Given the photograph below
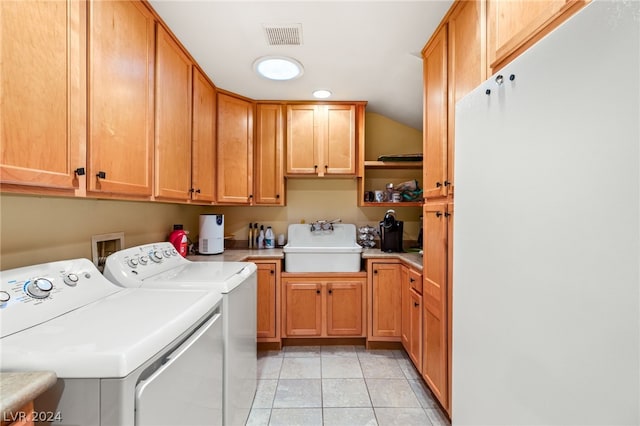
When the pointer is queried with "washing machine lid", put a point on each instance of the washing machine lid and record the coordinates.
(215, 276)
(111, 337)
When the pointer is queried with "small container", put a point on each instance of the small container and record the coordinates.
(179, 240)
(269, 238)
(379, 196)
(396, 197)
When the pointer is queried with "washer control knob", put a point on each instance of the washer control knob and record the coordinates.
(4, 297)
(132, 262)
(39, 288)
(156, 256)
(174, 252)
(144, 260)
(71, 280)
(167, 253)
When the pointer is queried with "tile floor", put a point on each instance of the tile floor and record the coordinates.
(341, 385)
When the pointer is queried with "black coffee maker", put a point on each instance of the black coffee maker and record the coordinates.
(391, 233)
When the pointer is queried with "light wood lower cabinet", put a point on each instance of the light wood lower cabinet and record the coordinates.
(323, 306)
(268, 315)
(412, 315)
(385, 319)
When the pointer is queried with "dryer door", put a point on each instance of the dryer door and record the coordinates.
(186, 389)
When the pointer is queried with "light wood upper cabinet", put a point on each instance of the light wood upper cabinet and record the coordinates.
(514, 25)
(321, 139)
(173, 119)
(234, 170)
(434, 294)
(203, 163)
(42, 110)
(269, 155)
(435, 116)
(121, 116)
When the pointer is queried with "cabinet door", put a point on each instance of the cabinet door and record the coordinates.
(466, 65)
(304, 133)
(42, 94)
(435, 116)
(386, 300)
(302, 309)
(405, 335)
(344, 308)
(121, 117)
(339, 148)
(514, 25)
(203, 139)
(434, 365)
(415, 336)
(234, 150)
(266, 300)
(269, 180)
(173, 119)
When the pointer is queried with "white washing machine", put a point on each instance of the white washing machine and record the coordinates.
(159, 266)
(122, 356)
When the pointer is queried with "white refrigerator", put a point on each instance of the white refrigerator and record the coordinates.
(546, 325)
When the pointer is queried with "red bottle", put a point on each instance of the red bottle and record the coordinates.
(179, 240)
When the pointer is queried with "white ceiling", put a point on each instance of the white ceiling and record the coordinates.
(360, 50)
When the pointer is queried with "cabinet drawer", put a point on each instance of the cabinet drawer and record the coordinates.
(415, 281)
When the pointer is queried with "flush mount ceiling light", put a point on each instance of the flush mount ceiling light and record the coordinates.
(321, 94)
(278, 67)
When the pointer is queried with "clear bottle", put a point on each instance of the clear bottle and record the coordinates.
(269, 238)
(261, 237)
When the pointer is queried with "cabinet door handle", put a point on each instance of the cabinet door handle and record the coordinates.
(79, 171)
(438, 214)
(411, 280)
(375, 271)
(315, 166)
(447, 183)
(101, 175)
(447, 214)
(326, 167)
(277, 196)
(438, 184)
(191, 190)
(250, 196)
(272, 272)
(416, 304)
(330, 291)
(198, 191)
(317, 291)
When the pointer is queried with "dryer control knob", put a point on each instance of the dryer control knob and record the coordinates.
(4, 297)
(144, 260)
(167, 253)
(132, 262)
(156, 256)
(71, 280)
(39, 288)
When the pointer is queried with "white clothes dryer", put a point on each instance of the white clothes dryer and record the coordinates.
(122, 356)
(159, 266)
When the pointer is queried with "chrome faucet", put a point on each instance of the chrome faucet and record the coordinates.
(324, 225)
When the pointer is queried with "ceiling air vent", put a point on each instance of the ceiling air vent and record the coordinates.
(283, 34)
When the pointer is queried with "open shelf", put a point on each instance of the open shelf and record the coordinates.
(389, 204)
(393, 164)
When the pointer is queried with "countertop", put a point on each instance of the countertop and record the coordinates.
(18, 388)
(241, 255)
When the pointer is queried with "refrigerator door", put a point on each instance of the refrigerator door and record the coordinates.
(546, 246)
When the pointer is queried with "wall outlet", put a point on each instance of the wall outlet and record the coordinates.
(103, 245)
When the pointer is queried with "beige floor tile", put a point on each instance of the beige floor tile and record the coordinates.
(296, 417)
(392, 393)
(300, 368)
(437, 417)
(301, 351)
(298, 393)
(381, 368)
(424, 395)
(402, 417)
(345, 393)
(407, 367)
(269, 367)
(259, 417)
(265, 392)
(339, 351)
(341, 368)
(349, 417)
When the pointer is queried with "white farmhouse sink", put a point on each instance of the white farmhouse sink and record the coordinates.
(322, 251)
